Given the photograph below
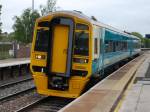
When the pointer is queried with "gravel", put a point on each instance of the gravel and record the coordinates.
(16, 88)
(19, 101)
(51, 104)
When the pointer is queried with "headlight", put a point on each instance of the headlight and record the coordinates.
(79, 60)
(38, 56)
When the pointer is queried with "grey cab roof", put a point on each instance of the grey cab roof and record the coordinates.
(98, 23)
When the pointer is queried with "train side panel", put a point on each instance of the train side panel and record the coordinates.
(113, 48)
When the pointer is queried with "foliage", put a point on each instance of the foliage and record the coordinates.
(0, 19)
(24, 24)
(23, 27)
(49, 7)
(137, 34)
(11, 36)
(7, 37)
(145, 41)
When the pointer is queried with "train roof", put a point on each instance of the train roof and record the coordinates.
(94, 22)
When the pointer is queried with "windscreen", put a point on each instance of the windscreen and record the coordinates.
(41, 43)
(81, 43)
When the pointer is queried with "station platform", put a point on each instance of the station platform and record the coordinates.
(137, 97)
(10, 68)
(109, 95)
(14, 62)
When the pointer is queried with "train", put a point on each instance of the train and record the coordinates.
(69, 48)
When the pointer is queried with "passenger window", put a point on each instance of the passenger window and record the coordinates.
(124, 46)
(106, 46)
(109, 46)
(95, 46)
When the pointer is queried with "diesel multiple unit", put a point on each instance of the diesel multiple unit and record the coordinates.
(69, 48)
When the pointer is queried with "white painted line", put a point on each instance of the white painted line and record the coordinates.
(14, 63)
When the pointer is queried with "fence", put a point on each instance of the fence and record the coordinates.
(6, 49)
(13, 50)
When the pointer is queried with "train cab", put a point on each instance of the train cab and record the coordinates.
(61, 54)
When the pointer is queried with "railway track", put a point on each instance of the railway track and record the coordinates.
(14, 88)
(15, 82)
(46, 104)
(27, 98)
(10, 96)
(33, 102)
(19, 100)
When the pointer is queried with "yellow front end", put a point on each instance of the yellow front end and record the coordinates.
(76, 82)
(76, 86)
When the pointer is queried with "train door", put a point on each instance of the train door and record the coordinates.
(60, 47)
(59, 58)
(96, 50)
(59, 51)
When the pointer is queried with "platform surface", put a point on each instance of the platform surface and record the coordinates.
(105, 95)
(137, 98)
(14, 62)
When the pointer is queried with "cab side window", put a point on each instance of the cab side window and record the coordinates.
(96, 42)
(95, 46)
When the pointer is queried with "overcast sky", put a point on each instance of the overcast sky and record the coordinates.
(129, 15)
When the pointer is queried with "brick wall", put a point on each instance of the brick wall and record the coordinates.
(23, 51)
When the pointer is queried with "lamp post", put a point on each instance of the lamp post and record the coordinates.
(32, 5)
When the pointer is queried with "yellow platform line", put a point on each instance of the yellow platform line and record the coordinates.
(125, 93)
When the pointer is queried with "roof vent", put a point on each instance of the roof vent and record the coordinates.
(94, 18)
(78, 11)
(127, 32)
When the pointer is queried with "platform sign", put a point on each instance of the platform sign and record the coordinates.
(147, 36)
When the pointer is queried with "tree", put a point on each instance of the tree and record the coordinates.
(137, 34)
(145, 42)
(24, 25)
(0, 20)
(49, 7)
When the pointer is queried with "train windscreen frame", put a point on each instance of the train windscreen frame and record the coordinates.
(81, 46)
(41, 43)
